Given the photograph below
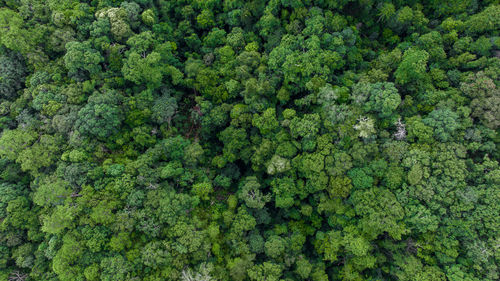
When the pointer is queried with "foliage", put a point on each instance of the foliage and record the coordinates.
(249, 140)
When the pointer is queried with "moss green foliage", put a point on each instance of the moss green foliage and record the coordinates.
(249, 140)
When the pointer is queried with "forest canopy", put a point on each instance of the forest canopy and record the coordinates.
(281, 140)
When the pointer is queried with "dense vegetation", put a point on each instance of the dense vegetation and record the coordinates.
(249, 140)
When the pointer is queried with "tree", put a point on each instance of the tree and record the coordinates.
(14, 36)
(378, 97)
(203, 274)
(485, 102)
(42, 154)
(65, 261)
(277, 165)
(252, 195)
(205, 19)
(306, 127)
(238, 267)
(266, 271)
(267, 122)
(444, 121)
(413, 68)
(13, 142)
(164, 109)
(483, 22)
(360, 179)
(148, 17)
(242, 223)
(383, 215)
(51, 192)
(284, 190)
(8, 193)
(82, 57)
(274, 246)
(249, 140)
(328, 244)
(102, 115)
(12, 72)
(304, 268)
(340, 186)
(202, 190)
(143, 70)
(235, 143)
(432, 42)
(365, 126)
(142, 43)
(118, 18)
(60, 37)
(417, 128)
(61, 218)
(114, 268)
